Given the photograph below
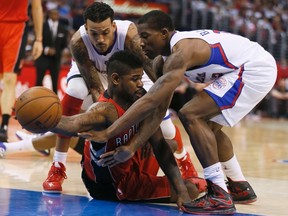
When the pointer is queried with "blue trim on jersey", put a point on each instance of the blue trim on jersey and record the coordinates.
(74, 76)
(167, 117)
(218, 57)
(229, 99)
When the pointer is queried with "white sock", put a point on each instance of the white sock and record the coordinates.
(180, 155)
(60, 157)
(232, 169)
(215, 174)
(19, 146)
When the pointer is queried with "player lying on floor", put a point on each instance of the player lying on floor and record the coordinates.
(136, 179)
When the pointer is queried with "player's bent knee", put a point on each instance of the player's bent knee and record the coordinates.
(186, 116)
(77, 88)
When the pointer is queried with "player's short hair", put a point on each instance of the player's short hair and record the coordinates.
(122, 62)
(157, 20)
(98, 12)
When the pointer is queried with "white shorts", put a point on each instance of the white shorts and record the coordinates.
(237, 93)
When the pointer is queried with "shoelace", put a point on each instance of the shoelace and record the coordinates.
(59, 172)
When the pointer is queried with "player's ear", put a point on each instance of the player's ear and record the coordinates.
(164, 33)
(114, 26)
(115, 78)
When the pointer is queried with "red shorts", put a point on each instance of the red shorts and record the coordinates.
(10, 42)
(135, 179)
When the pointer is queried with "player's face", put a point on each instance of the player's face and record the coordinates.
(101, 34)
(151, 41)
(131, 85)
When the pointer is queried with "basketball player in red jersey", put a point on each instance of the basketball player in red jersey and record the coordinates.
(13, 15)
(132, 180)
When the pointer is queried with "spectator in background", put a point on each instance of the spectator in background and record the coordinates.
(278, 99)
(13, 17)
(54, 42)
(77, 18)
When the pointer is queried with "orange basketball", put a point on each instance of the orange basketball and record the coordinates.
(38, 109)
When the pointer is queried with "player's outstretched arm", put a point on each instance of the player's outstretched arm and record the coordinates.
(86, 66)
(125, 152)
(158, 97)
(97, 118)
(168, 165)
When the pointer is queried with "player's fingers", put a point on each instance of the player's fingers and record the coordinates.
(115, 163)
(110, 163)
(107, 154)
(104, 161)
(85, 135)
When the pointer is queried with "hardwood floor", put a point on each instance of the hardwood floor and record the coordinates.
(261, 148)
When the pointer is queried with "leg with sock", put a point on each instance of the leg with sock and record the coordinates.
(57, 172)
(7, 102)
(182, 156)
(240, 189)
(4, 127)
(27, 145)
(217, 200)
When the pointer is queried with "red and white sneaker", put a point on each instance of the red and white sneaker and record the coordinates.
(216, 201)
(241, 191)
(55, 178)
(186, 167)
(200, 183)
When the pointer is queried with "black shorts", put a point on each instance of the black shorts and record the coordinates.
(98, 190)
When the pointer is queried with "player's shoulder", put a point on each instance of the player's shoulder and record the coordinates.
(77, 46)
(104, 107)
(123, 22)
(76, 39)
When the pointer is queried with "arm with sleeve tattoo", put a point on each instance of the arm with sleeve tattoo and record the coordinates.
(86, 66)
(132, 43)
(98, 117)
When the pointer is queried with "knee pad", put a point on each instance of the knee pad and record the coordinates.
(167, 127)
(77, 88)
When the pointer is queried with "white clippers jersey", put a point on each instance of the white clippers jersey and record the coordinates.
(76, 87)
(228, 53)
(100, 59)
(240, 71)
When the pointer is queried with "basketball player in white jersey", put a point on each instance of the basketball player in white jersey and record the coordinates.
(91, 47)
(238, 73)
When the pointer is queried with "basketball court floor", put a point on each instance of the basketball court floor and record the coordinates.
(261, 147)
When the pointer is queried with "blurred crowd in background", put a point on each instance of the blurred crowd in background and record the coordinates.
(264, 21)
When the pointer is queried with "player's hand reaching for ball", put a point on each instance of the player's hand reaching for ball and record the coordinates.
(96, 136)
(119, 155)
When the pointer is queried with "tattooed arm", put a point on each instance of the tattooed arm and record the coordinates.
(132, 43)
(98, 117)
(86, 66)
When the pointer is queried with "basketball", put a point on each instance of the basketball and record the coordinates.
(38, 109)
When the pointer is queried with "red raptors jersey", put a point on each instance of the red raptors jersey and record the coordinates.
(135, 179)
(93, 150)
(13, 10)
